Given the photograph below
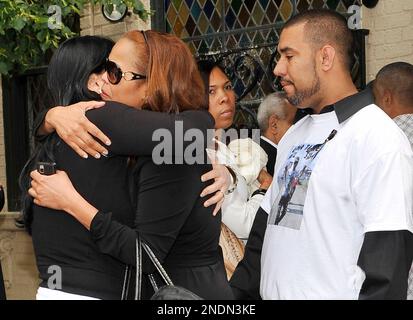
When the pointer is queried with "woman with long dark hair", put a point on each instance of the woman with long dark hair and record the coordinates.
(74, 74)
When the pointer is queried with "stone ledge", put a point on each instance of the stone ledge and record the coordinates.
(17, 258)
(7, 221)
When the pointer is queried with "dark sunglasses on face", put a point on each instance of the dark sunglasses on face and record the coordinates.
(115, 74)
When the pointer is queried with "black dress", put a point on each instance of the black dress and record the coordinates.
(60, 241)
(171, 218)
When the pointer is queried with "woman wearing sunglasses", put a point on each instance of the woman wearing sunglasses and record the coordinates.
(153, 71)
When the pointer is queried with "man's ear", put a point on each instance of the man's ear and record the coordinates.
(382, 96)
(273, 123)
(386, 102)
(327, 57)
(387, 97)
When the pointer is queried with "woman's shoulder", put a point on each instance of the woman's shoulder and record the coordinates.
(191, 118)
(108, 106)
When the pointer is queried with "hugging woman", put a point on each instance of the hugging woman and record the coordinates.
(88, 224)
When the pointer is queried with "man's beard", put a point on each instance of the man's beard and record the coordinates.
(300, 95)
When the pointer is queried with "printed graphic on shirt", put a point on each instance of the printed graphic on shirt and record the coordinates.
(293, 179)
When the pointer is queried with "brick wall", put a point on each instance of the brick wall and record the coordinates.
(17, 259)
(391, 34)
(92, 22)
(16, 249)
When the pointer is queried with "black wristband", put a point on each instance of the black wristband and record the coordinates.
(234, 178)
(259, 191)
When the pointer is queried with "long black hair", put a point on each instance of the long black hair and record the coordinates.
(67, 79)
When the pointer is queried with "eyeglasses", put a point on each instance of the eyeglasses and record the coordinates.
(115, 74)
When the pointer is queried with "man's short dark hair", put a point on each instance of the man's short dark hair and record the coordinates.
(323, 27)
(397, 77)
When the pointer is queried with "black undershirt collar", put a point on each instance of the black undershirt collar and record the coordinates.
(348, 106)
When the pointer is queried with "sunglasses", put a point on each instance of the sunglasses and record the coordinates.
(115, 74)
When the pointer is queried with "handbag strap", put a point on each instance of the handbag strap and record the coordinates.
(126, 281)
(139, 245)
(138, 285)
(138, 288)
(128, 274)
(157, 264)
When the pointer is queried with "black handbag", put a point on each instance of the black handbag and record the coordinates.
(167, 292)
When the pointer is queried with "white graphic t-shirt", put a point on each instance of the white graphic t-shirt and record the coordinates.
(293, 181)
(331, 188)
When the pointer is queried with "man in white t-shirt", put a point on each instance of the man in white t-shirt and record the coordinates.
(337, 220)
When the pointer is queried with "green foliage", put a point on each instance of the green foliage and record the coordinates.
(28, 33)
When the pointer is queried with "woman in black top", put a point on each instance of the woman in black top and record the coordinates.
(170, 214)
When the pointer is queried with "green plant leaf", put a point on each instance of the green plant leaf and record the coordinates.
(41, 35)
(25, 35)
(18, 23)
(5, 67)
